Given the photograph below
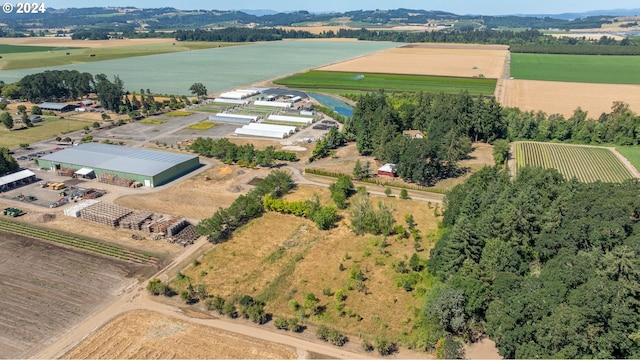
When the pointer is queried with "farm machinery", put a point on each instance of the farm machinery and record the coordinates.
(13, 212)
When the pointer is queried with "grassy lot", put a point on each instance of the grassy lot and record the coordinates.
(577, 68)
(178, 113)
(205, 125)
(18, 49)
(45, 56)
(632, 153)
(152, 121)
(278, 258)
(214, 108)
(586, 163)
(49, 128)
(315, 80)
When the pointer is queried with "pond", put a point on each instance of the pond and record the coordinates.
(337, 105)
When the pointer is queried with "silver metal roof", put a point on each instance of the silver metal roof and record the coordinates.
(16, 176)
(119, 158)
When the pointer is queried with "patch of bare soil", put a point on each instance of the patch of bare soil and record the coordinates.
(150, 335)
(483, 349)
(46, 289)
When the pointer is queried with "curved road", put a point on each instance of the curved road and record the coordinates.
(135, 297)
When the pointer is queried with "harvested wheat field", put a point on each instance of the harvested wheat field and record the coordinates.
(431, 59)
(564, 97)
(151, 335)
(67, 42)
(198, 197)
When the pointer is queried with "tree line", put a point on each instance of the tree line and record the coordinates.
(244, 155)
(546, 267)
(450, 122)
(241, 34)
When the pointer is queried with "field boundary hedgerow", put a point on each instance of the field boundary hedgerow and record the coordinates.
(586, 163)
(81, 243)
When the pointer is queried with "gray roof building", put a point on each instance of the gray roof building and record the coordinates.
(57, 106)
(149, 167)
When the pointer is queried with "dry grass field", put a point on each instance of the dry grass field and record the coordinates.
(197, 198)
(46, 289)
(279, 264)
(431, 59)
(151, 335)
(564, 97)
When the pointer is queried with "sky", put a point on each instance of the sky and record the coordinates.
(460, 7)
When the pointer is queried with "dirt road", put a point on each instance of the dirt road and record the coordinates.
(135, 297)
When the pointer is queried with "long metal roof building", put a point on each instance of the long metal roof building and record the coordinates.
(149, 167)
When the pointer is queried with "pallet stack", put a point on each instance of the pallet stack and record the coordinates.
(135, 220)
(176, 227)
(161, 225)
(105, 214)
(112, 179)
(65, 172)
(188, 235)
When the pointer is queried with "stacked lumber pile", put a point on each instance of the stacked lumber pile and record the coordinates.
(188, 235)
(66, 172)
(136, 220)
(105, 214)
(112, 179)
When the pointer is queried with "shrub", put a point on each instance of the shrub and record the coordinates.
(281, 323)
(215, 304)
(157, 287)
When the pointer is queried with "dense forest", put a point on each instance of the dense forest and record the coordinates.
(547, 268)
(452, 121)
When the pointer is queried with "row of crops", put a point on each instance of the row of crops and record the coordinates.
(81, 243)
(587, 164)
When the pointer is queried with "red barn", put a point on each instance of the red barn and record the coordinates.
(387, 170)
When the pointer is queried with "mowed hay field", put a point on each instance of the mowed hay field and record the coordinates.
(554, 97)
(585, 163)
(279, 264)
(461, 60)
(150, 335)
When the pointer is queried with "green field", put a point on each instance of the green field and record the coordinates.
(19, 49)
(219, 69)
(316, 80)
(49, 128)
(586, 163)
(39, 56)
(632, 153)
(576, 68)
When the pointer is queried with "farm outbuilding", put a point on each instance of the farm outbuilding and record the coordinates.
(261, 133)
(388, 170)
(290, 130)
(148, 167)
(291, 119)
(18, 178)
(280, 104)
(62, 107)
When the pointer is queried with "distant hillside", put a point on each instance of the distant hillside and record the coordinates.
(127, 19)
